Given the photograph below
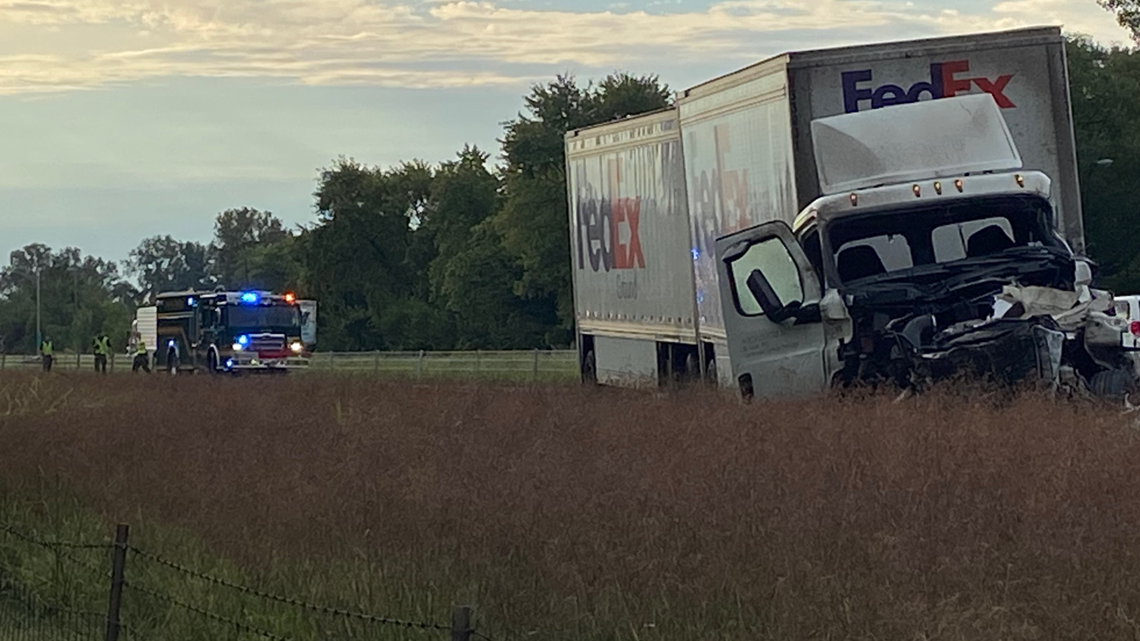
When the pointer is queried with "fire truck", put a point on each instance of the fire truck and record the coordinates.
(229, 331)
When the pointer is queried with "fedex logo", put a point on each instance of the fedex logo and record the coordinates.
(721, 202)
(600, 223)
(947, 79)
(600, 226)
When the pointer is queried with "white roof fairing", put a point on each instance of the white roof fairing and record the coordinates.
(920, 141)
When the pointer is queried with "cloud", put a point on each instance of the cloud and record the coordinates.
(438, 43)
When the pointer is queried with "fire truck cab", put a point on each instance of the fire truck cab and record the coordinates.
(229, 331)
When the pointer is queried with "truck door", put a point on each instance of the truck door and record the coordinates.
(770, 300)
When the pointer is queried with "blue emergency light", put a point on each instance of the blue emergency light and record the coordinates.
(243, 340)
(250, 297)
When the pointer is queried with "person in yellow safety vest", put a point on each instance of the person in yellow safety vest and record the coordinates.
(142, 358)
(102, 346)
(47, 351)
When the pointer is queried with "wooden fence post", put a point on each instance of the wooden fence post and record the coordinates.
(461, 623)
(111, 362)
(118, 569)
(79, 361)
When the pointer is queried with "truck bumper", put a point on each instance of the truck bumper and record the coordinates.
(252, 362)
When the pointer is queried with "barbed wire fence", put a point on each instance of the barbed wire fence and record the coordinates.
(53, 590)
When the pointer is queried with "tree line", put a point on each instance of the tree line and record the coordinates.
(470, 254)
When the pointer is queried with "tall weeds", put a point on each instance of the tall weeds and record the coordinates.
(567, 513)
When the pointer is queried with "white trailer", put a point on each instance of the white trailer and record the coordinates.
(631, 260)
(144, 327)
(748, 143)
(308, 323)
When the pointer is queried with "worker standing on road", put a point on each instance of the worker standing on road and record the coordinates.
(102, 346)
(47, 351)
(142, 358)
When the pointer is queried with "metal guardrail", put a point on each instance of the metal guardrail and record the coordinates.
(521, 365)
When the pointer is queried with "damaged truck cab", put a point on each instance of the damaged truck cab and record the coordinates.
(930, 255)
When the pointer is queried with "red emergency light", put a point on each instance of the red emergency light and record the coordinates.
(1136, 328)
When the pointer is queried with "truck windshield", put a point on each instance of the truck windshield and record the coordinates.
(870, 245)
(270, 317)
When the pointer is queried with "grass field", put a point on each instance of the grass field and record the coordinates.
(570, 513)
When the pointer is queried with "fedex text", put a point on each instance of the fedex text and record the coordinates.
(947, 79)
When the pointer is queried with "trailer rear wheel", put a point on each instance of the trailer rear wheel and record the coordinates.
(692, 367)
(590, 368)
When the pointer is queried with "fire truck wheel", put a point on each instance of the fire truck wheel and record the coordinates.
(212, 363)
(172, 364)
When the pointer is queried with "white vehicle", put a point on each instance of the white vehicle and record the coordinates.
(749, 158)
(629, 230)
(145, 327)
(1128, 309)
(308, 323)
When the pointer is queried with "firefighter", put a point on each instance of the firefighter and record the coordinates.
(142, 358)
(47, 351)
(102, 345)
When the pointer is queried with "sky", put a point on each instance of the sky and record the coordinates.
(125, 119)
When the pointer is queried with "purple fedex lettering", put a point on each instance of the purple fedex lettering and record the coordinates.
(944, 83)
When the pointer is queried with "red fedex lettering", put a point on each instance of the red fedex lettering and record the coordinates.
(953, 86)
(996, 89)
(633, 217)
(621, 257)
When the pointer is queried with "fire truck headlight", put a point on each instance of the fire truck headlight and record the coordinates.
(238, 347)
(297, 347)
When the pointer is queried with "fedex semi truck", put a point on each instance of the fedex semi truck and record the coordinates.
(647, 294)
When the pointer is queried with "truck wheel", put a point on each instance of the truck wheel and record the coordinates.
(212, 363)
(172, 364)
(590, 369)
(1112, 384)
(692, 368)
(711, 376)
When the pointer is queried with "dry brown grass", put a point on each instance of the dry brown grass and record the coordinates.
(567, 513)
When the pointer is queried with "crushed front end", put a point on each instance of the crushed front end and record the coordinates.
(978, 288)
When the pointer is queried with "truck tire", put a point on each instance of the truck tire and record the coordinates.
(711, 377)
(590, 369)
(692, 368)
(1112, 384)
(212, 363)
(172, 363)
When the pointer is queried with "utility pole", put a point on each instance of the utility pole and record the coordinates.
(39, 333)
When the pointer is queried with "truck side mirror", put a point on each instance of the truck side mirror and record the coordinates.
(766, 295)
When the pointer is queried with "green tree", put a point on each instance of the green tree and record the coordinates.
(80, 296)
(533, 219)
(361, 259)
(238, 234)
(161, 264)
(1127, 14)
(1105, 89)
(473, 275)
